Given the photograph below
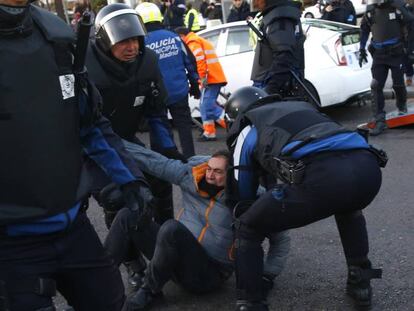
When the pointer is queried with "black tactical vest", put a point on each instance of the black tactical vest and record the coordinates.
(263, 57)
(385, 23)
(280, 123)
(40, 158)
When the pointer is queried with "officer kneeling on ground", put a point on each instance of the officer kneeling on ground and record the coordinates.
(196, 249)
(47, 123)
(325, 169)
(341, 11)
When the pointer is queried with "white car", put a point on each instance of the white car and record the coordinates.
(331, 60)
(314, 11)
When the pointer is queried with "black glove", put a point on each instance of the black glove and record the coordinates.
(195, 90)
(172, 153)
(139, 199)
(363, 57)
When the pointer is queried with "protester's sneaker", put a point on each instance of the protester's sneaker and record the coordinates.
(409, 81)
(358, 285)
(244, 305)
(142, 299)
(380, 126)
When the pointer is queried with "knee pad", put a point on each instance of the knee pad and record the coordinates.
(374, 85)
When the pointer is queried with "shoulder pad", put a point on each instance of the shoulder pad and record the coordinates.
(52, 26)
(281, 12)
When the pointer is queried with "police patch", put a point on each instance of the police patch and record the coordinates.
(67, 85)
(139, 100)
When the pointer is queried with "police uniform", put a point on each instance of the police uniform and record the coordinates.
(386, 23)
(342, 12)
(47, 125)
(177, 71)
(325, 169)
(132, 93)
(281, 48)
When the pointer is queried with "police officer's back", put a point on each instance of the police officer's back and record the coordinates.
(48, 123)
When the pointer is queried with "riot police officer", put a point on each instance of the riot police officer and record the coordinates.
(341, 11)
(386, 21)
(280, 50)
(48, 122)
(313, 156)
(129, 80)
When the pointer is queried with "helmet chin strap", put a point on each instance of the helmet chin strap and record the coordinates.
(15, 21)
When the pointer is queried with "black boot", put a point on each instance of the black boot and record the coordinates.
(142, 299)
(136, 272)
(358, 285)
(244, 305)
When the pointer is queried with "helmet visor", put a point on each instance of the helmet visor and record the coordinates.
(124, 26)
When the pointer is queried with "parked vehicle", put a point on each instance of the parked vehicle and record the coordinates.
(331, 59)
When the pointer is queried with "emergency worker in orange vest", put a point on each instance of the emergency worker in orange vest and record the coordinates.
(212, 78)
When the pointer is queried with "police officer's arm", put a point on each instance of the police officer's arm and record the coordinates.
(365, 30)
(190, 63)
(280, 51)
(102, 145)
(200, 58)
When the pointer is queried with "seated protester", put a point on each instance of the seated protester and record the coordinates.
(240, 11)
(341, 11)
(196, 250)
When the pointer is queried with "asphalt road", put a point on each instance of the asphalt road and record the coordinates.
(315, 275)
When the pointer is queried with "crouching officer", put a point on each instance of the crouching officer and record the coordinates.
(313, 156)
(280, 49)
(341, 11)
(387, 21)
(48, 122)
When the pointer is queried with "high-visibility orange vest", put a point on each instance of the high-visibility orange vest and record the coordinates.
(208, 65)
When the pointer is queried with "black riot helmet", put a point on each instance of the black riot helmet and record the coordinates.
(117, 22)
(240, 101)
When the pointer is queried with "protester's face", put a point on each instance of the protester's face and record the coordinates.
(126, 50)
(217, 171)
(237, 3)
(259, 4)
(14, 2)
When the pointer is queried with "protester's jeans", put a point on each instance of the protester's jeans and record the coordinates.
(173, 250)
(74, 258)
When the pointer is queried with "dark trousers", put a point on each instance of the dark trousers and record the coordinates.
(380, 67)
(75, 259)
(340, 184)
(173, 251)
(181, 116)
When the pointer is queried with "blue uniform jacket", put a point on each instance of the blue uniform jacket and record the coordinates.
(175, 65)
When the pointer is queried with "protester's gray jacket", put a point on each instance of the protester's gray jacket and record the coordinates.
(207, 218)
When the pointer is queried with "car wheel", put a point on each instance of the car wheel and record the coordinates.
(309, 15)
